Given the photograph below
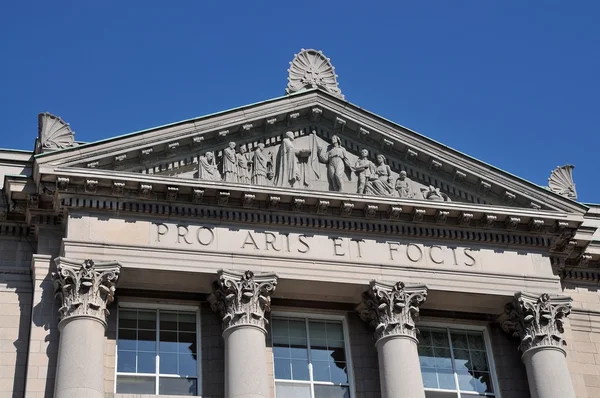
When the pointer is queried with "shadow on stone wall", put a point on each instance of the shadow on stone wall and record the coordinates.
(213, 354)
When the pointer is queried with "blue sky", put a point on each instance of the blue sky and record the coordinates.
(513, 83)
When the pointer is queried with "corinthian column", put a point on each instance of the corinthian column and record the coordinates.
(393, 310)
(242, 299)
(85, 289)
(538, 322)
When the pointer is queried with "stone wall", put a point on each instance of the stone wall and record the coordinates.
(583, 339)
(510, 370)
(364, 358)
(15, 314)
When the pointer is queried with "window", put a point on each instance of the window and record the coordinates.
(310, 358)
(454, 363)
(157, 352)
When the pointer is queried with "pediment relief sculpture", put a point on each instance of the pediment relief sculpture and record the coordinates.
(303, 160)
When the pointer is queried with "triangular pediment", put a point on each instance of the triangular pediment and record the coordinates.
(433, 171)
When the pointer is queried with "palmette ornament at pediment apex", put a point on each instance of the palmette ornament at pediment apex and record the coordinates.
(561, 181)
(311, 69)
(53, 133)
(538, 320)
(242, 298)
(392, 309)
(85, 288)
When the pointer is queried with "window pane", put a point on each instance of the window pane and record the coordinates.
(289, 390)
(168, 364)
(459, 340)
(439, 338)
(321, 371)
(127, 340)
(135, 385)
(187, 342)
(146, 362)
(168, 341)
(476, 342)
(279, 327)
(442, 358)
(331, 392)
(177, 386)
(479, 360)
(429, 377)
(187, 322)
(147, 320)
(283, 369)
(337, 354)
(335, 331)
(317, 331)
(188, 365)
(281, 351)
(461, 361)
(339, 372)
(298, 348)
(300, 369)
(127, 319)
(425, 337)
(281, 340)
(426, 357)
(446, 379)
(297, 329)
(476, 382)
(320, 353)
(168, 321)
(146, 340)
(126, 361)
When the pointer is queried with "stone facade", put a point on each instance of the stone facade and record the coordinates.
(303, 211)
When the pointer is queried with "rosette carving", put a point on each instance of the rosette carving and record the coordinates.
(242, 298)
(85, 288)
(392, 309)
(536, 320)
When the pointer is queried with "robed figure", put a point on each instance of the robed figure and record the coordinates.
(287, 172)
(230, 164)
(207, 169)
(380, 180)
(337, 162)
(259, 166)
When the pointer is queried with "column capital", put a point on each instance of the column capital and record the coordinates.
(392, 309)
(85, 287)
(536, 319)
(242, 298)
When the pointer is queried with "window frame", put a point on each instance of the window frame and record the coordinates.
(488, 349)
(307, 316)
(135, 305)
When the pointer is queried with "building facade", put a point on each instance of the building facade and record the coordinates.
(299, 247)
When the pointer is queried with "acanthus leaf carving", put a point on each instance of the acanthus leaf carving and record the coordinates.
(85, 288)
(538, 320)
(561, 181)
(392, 309)
(311, 69)
(242, 298)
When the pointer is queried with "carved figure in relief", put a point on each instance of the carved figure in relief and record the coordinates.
(403, 186)
(434, 194)
(363, 168)
(244, 164)
(230, 168)
(259, 166)
(380, 180)
(207, 169)
(334, 155)
(287, 172)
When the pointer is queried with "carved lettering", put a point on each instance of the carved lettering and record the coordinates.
(182, 234)
(393, 248)
(250, 241)
(431, 256)
(303, 242)
(412, 257)
(467, 251)
(454, 255)
(159, 233)
(287, 242)
(337, 244)
(358, 242)
(205, 241)
(270, 240)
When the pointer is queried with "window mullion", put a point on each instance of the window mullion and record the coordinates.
(453, 364)
(157, 356)
(310, 367)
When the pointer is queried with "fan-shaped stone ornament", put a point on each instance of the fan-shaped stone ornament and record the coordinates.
(561, 181)
(311, 69)
(54, 133)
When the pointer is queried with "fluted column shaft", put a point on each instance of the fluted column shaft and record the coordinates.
(538, 322)
(85, 289)
(242, 299)
(393, 311)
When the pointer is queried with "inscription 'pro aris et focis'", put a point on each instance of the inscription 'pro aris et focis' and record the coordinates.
(311, 246)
